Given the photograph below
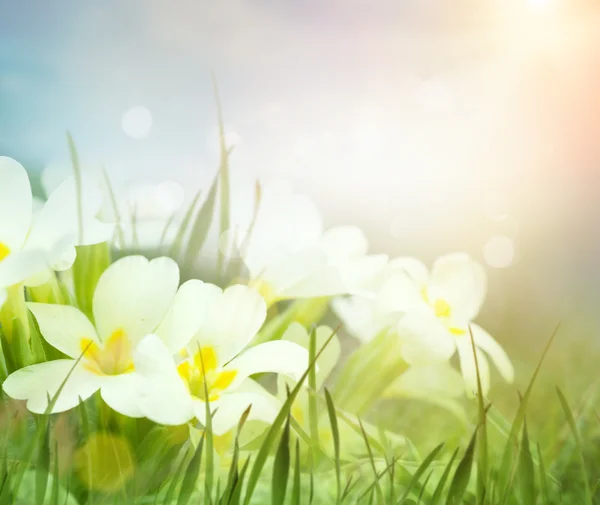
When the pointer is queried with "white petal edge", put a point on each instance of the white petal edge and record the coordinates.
(468, 369)
(134, 295)
(16, 204)
(36, 382)
(121, 393)
(487, 343)
(63, 327)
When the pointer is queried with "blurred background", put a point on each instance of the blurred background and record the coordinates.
(435, 125)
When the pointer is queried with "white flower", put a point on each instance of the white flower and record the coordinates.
(133, 298)
(31, 245)
(432, 313)
(215, 368)
(289, 255)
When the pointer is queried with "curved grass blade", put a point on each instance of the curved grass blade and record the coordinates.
(201, 225)
(373, 467)
(462, 475)
(420, 471)
(296, 489)
(439, 489)
(525, 472)
(281, 467)
(43, 467)
(190, 477)
(115, 208)
(313, 414)
(78, 184)
(504, 471)
(263, 452)
(335, 433)
(183, 227)
(573, 427)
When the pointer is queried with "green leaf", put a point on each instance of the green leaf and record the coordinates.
(420, 471)
(281, 467)
(191, 476)
(462, 475)
(575, 432)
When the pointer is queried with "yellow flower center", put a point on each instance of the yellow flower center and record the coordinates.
(112, 358)
(201, 374)
(265, 290)
(443, 310)
(4, 250)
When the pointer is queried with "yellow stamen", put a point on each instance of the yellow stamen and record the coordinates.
(208, 357)
(442, 308)
(113, 358)
(224, 380)
(4, 250)
(265, 290)
(457, 331)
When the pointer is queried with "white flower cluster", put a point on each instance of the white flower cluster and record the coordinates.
(165, 351)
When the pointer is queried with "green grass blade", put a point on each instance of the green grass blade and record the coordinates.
(224, 190)
(263, 452)
(78, 184)
(183, 227)
(313, 414)
(462, 475)
(419, 472)
(281, 467)
(439, 489)
(236, 496)
(525, 472)
(188, 484)
(544, 484)
(55, 479)
(482, 447)
(296, 489)
(43, 465)
(335, 434)
(575, 432)
(201, 225)
(373, 467)
(170, 494)
(115, 208)
(504, 471)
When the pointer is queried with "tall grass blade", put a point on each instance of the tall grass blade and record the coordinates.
(191, 475)
(543, 478)
(372, 460)
(525, 472)
(281, 467)
(575, 432)
(78, 185)
(439, 489)
(263, 452)
(296, 489)
(335, 435)
(183, 227)
(462, 475)
(43, 465)
(419, 472)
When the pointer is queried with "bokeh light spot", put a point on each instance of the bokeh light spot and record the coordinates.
(137, 122)
(499, 251)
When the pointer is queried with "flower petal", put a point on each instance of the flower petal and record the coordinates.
(36, 382)
(133, 295)
(434, 380)
(343, 242)
(461, 282)
(487, 343)
(121, 393)
(468, 369)
(230, 407)
(163, 396)
(58, 220)
(414, 268)
(424, 338)
(22, 266)
(277, 356)
(326, 362)
(232, 319)
(16, 204)
(399, 294)
(193, 304)
(63, 327)
(362, 317)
